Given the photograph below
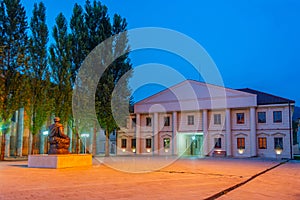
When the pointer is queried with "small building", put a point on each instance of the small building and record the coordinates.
(198, 119)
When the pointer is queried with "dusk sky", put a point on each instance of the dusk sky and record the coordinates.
(254, 43)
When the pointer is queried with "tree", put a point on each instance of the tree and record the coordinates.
(40, 102)
(14, 42)
(89, 29)
(60, 64)
(109, 80)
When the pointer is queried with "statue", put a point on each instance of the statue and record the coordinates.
(59, 142)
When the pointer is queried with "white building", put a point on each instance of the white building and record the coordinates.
(198, 119)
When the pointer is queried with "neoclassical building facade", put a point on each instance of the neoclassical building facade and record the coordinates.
(197, 119)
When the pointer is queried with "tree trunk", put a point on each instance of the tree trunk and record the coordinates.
(2, 145)
(77, 140)
(30, 143)
(33, 144)
(3, 139)
(106, 143)
(20, 132)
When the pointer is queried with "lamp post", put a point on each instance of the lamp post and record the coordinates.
(84, 135)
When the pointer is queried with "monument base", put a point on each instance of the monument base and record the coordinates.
(59, 160)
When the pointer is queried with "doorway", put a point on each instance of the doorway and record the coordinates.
(190, 144)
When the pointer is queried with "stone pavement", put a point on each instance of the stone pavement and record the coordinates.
(183, 179)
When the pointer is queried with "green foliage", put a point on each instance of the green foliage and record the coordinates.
(40, 104)
(60, 64)
(14, 61)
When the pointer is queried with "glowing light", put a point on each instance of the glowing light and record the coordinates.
(241, 151)
(278, 151)
(148, 150)
(133, 150)
(166, 150)
(45, 132)
(123, 150)
(85, 135)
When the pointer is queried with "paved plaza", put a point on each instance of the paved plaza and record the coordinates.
(134, 178)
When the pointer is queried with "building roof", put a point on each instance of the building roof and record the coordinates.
(265, 98)
(194, 95)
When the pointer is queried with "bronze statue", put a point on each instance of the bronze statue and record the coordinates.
(59, 142)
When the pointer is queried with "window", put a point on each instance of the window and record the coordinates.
(166, 143)
(133, 143)
(166, 121)
(123, 143)
(218, 143)
(240, 143)
(261, 117)
(217, 118)
(278, 143)
(240, 118)
(133, 122)
(190, 120)
(148, 143)
(148, 121)
(277, 116)
(262, 143)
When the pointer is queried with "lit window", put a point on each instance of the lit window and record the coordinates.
(278, 143)
(166, 143)
(133, 143)
(123, 143)
(190, 120)
(148, 121)
(262, 143)
(240, 118)
(217, 118)
(277, 116)
(148, 143)
(166, 121)
(240, 143)
(218, 143)
(261, 117)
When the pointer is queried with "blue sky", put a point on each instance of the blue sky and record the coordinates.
(254, 43)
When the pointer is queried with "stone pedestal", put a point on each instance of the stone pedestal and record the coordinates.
(59, 161)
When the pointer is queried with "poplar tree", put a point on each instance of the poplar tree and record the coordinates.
(60, 65)
(14, 58)
(109, 80)
(40, 103)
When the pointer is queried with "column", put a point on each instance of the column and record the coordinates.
(20, 132)
(138, 133)
(70, 134)
(155, 134)
(205, 133)
(42, 142)
(252, 132)
(174, 133)
(7, 144)
(228, 132)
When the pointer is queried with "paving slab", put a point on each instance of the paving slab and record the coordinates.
(182, 179)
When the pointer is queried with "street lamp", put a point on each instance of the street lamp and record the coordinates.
(84, 135)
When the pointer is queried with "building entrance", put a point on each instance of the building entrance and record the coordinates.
(190, 144)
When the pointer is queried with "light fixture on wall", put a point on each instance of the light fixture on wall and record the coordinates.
(278, 151)
(123, 150)
(241, 151)
(133, 150)
(166, 150)
(148, 150)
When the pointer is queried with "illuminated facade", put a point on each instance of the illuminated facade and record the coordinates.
(198, 119)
